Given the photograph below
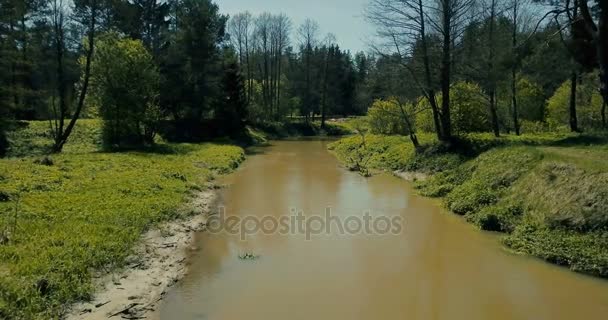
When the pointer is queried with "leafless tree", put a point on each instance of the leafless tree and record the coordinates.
(520, 15)
(87, 16)
(308, 34)
(404, 24)
(280, 29)
(240, 29)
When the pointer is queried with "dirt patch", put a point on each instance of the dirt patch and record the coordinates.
(411, 176)
(159, 262)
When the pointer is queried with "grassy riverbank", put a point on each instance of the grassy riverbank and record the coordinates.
(548, 193)
(64, 217)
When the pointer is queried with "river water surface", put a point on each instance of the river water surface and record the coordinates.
(438, 267)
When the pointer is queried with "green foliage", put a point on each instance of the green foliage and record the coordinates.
(231, 109)
(191, 65)
(588, 104)
(87, 210)
(393, 153)
(387, 117)
(34, 138)
(530, 100)
(581, 252)
(469, 110)
(125, 87)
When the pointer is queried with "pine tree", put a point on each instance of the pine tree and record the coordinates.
(231, 109)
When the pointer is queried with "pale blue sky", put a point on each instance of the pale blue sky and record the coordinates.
(343, 18)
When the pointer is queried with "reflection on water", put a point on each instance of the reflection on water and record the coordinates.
(438, 268)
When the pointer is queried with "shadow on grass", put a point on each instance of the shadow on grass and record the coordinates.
(472, 145)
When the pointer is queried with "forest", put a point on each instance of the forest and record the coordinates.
(97, 95)
(502, 66)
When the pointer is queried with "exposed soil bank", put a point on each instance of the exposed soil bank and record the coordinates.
(159, 262)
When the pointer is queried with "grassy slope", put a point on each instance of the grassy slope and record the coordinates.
(549, 193)
(86, 211)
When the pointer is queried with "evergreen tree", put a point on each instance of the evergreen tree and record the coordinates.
(231, 108)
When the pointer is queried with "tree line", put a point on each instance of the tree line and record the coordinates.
(493, 64)
(445, 66)
(139, 64)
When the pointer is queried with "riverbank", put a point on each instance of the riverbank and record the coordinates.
(547, 193)
(72, 221)
(159, 262)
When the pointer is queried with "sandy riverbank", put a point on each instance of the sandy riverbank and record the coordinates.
(159, 262)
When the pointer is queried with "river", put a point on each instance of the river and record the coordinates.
(436, 267)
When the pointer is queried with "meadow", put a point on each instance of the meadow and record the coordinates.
(66, 217)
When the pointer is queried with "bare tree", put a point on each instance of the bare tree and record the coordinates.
(492, 10)
(406, 22)
(240, 29)
(86, 15)
(403, 25)
(330, 49)
(264, 46)
(308, 34)
(453, 14)
(280, 28)
(519, 15)
(57, 16)
(581, 23)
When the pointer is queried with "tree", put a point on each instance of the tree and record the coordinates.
(125, 87)
(231, 109)
(308, 33)
(86, 14)
(404, 23)
(518, 11)
(191, 68)
(404, 26)
(239, 28)
(587, 43)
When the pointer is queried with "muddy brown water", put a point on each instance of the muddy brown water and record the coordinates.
(437, 267)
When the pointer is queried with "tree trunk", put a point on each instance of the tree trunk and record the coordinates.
(58, 147)
(324, 96)
(61, 86)
(494, 114)
(604, 114)
(572, 109)
(603, 48)
(514, 70)
(427, 73)
(446, 72)
(514, 102)
(491, 76)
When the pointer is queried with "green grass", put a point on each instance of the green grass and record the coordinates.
(84, 210)
(548, 193)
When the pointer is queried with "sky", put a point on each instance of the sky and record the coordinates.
(343, 18)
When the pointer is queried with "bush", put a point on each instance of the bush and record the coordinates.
(588, 104)
(530, 101)
(125, 87)
(386, 117)
(469, 111)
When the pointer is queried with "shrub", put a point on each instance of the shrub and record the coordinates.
(386, 117)
(588, 104)
(125, 87)
(469, 111)
(530, 100)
